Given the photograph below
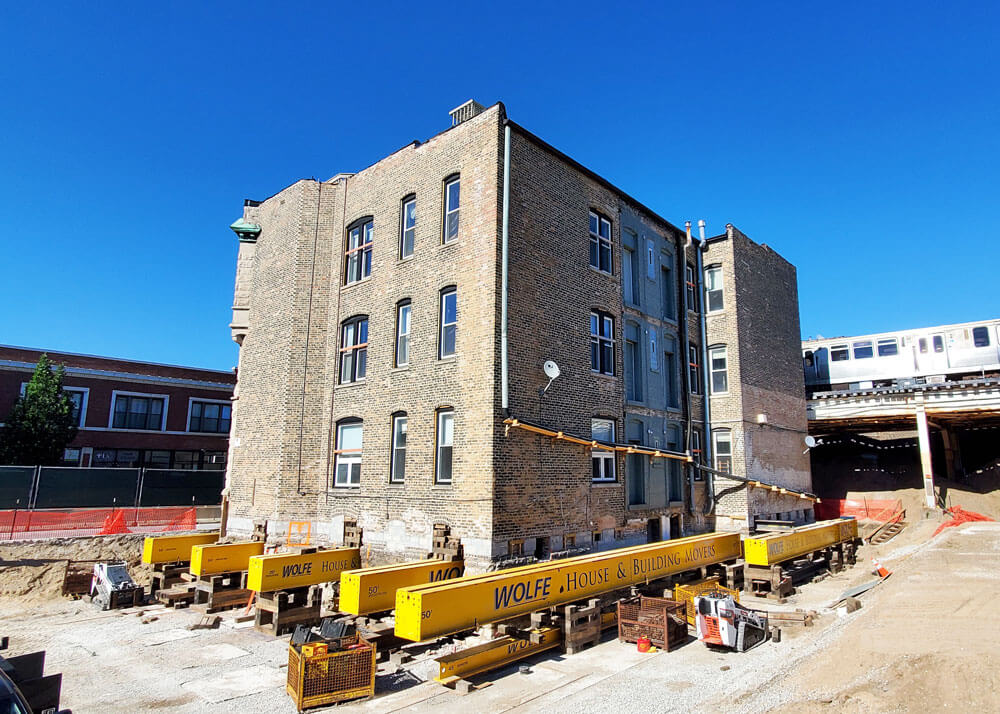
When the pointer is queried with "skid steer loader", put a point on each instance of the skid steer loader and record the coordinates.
(721, 621)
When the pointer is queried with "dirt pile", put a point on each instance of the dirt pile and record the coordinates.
(32, 571)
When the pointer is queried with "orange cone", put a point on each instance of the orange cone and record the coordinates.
(114, 523)
(880, 569)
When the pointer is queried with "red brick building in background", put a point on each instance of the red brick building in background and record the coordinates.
(134, 414)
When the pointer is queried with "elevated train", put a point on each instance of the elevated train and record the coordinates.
(903, 358)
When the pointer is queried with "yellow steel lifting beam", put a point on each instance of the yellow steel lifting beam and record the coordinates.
(494, 654)
(424, 612)
(225, 558)
(369, 590)
(281, 571)
(778, 547)
(174, 548)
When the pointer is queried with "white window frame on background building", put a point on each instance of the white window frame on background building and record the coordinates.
(221, 402)
(84, 393)
(444, 446)
(121, 393)
(723, 461)
(397, 465)
(452, 209)
(602, 460)
(714, 301)
(349, 455)
(719, 374)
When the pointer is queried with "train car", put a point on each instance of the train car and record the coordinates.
(902, 358)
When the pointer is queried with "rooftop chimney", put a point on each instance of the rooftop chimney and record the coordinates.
(465, 112)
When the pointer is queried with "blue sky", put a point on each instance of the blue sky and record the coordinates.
(859, 140)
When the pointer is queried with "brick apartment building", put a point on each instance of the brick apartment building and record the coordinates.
(394, 324)
(133, 414)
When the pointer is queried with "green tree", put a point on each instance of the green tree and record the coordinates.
(41, 424)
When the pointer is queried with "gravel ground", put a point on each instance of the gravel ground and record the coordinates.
(124, 661)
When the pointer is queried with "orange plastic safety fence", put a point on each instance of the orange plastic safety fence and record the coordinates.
(959, 516)
(873, 510)
(95, 521)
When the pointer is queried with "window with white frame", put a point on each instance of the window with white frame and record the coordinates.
(397, 469)
(713, 289)
(445, 444)
(358, 251)
(839, 353)
(449, 323)
(347, 470)
(407, 227)
(600, 242)
(402, 357)
(452, 203)
(353, 350)
(717, 362)
(723, 450)
(888, 347)
(133, 411)
(602, 460)
(602, 343)
(863, 349)
(78, 397)
(210, 417)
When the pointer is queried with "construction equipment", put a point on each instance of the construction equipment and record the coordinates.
(496, 653)
(112, 587)
(223, 558)
(370, 590)
(720, 620)
(24, 686)
(309, 566)
(425, 612)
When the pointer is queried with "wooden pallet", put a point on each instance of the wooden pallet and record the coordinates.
(225, 591)
(179, 596)
(280, 611)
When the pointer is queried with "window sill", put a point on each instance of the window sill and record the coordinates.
(403, 368)
(449, 244)
(363, 281)
(602, 375)
(448, 360)
(407, 259)
(348, 385)
(633, 403)
(605, 273)
(604, 484)
(396, 485)
(441, 486)
(342, 489)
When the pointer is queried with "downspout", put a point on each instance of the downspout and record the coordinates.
(706, 446)
(685, 358)
(504, 240)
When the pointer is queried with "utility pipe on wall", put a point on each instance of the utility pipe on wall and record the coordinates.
(686, 358)
(706, 447)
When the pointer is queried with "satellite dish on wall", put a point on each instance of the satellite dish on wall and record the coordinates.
(810, 442)
(551, 370)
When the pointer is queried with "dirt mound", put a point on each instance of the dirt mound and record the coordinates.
(32, 571)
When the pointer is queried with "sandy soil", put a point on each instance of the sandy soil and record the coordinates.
(32, 571)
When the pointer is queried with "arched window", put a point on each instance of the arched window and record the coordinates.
(353, 349)
(448, 327)
(718, 364)
(602, 342)
(358, 250)
(401, 357)
(347, 470)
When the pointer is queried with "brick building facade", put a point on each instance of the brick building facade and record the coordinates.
(376, 314)
(133, 414)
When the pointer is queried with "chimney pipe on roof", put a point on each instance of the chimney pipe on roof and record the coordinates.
(465, 112)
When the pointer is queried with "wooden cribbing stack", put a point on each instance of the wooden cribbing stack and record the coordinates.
(300, 602)
(444, 546)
